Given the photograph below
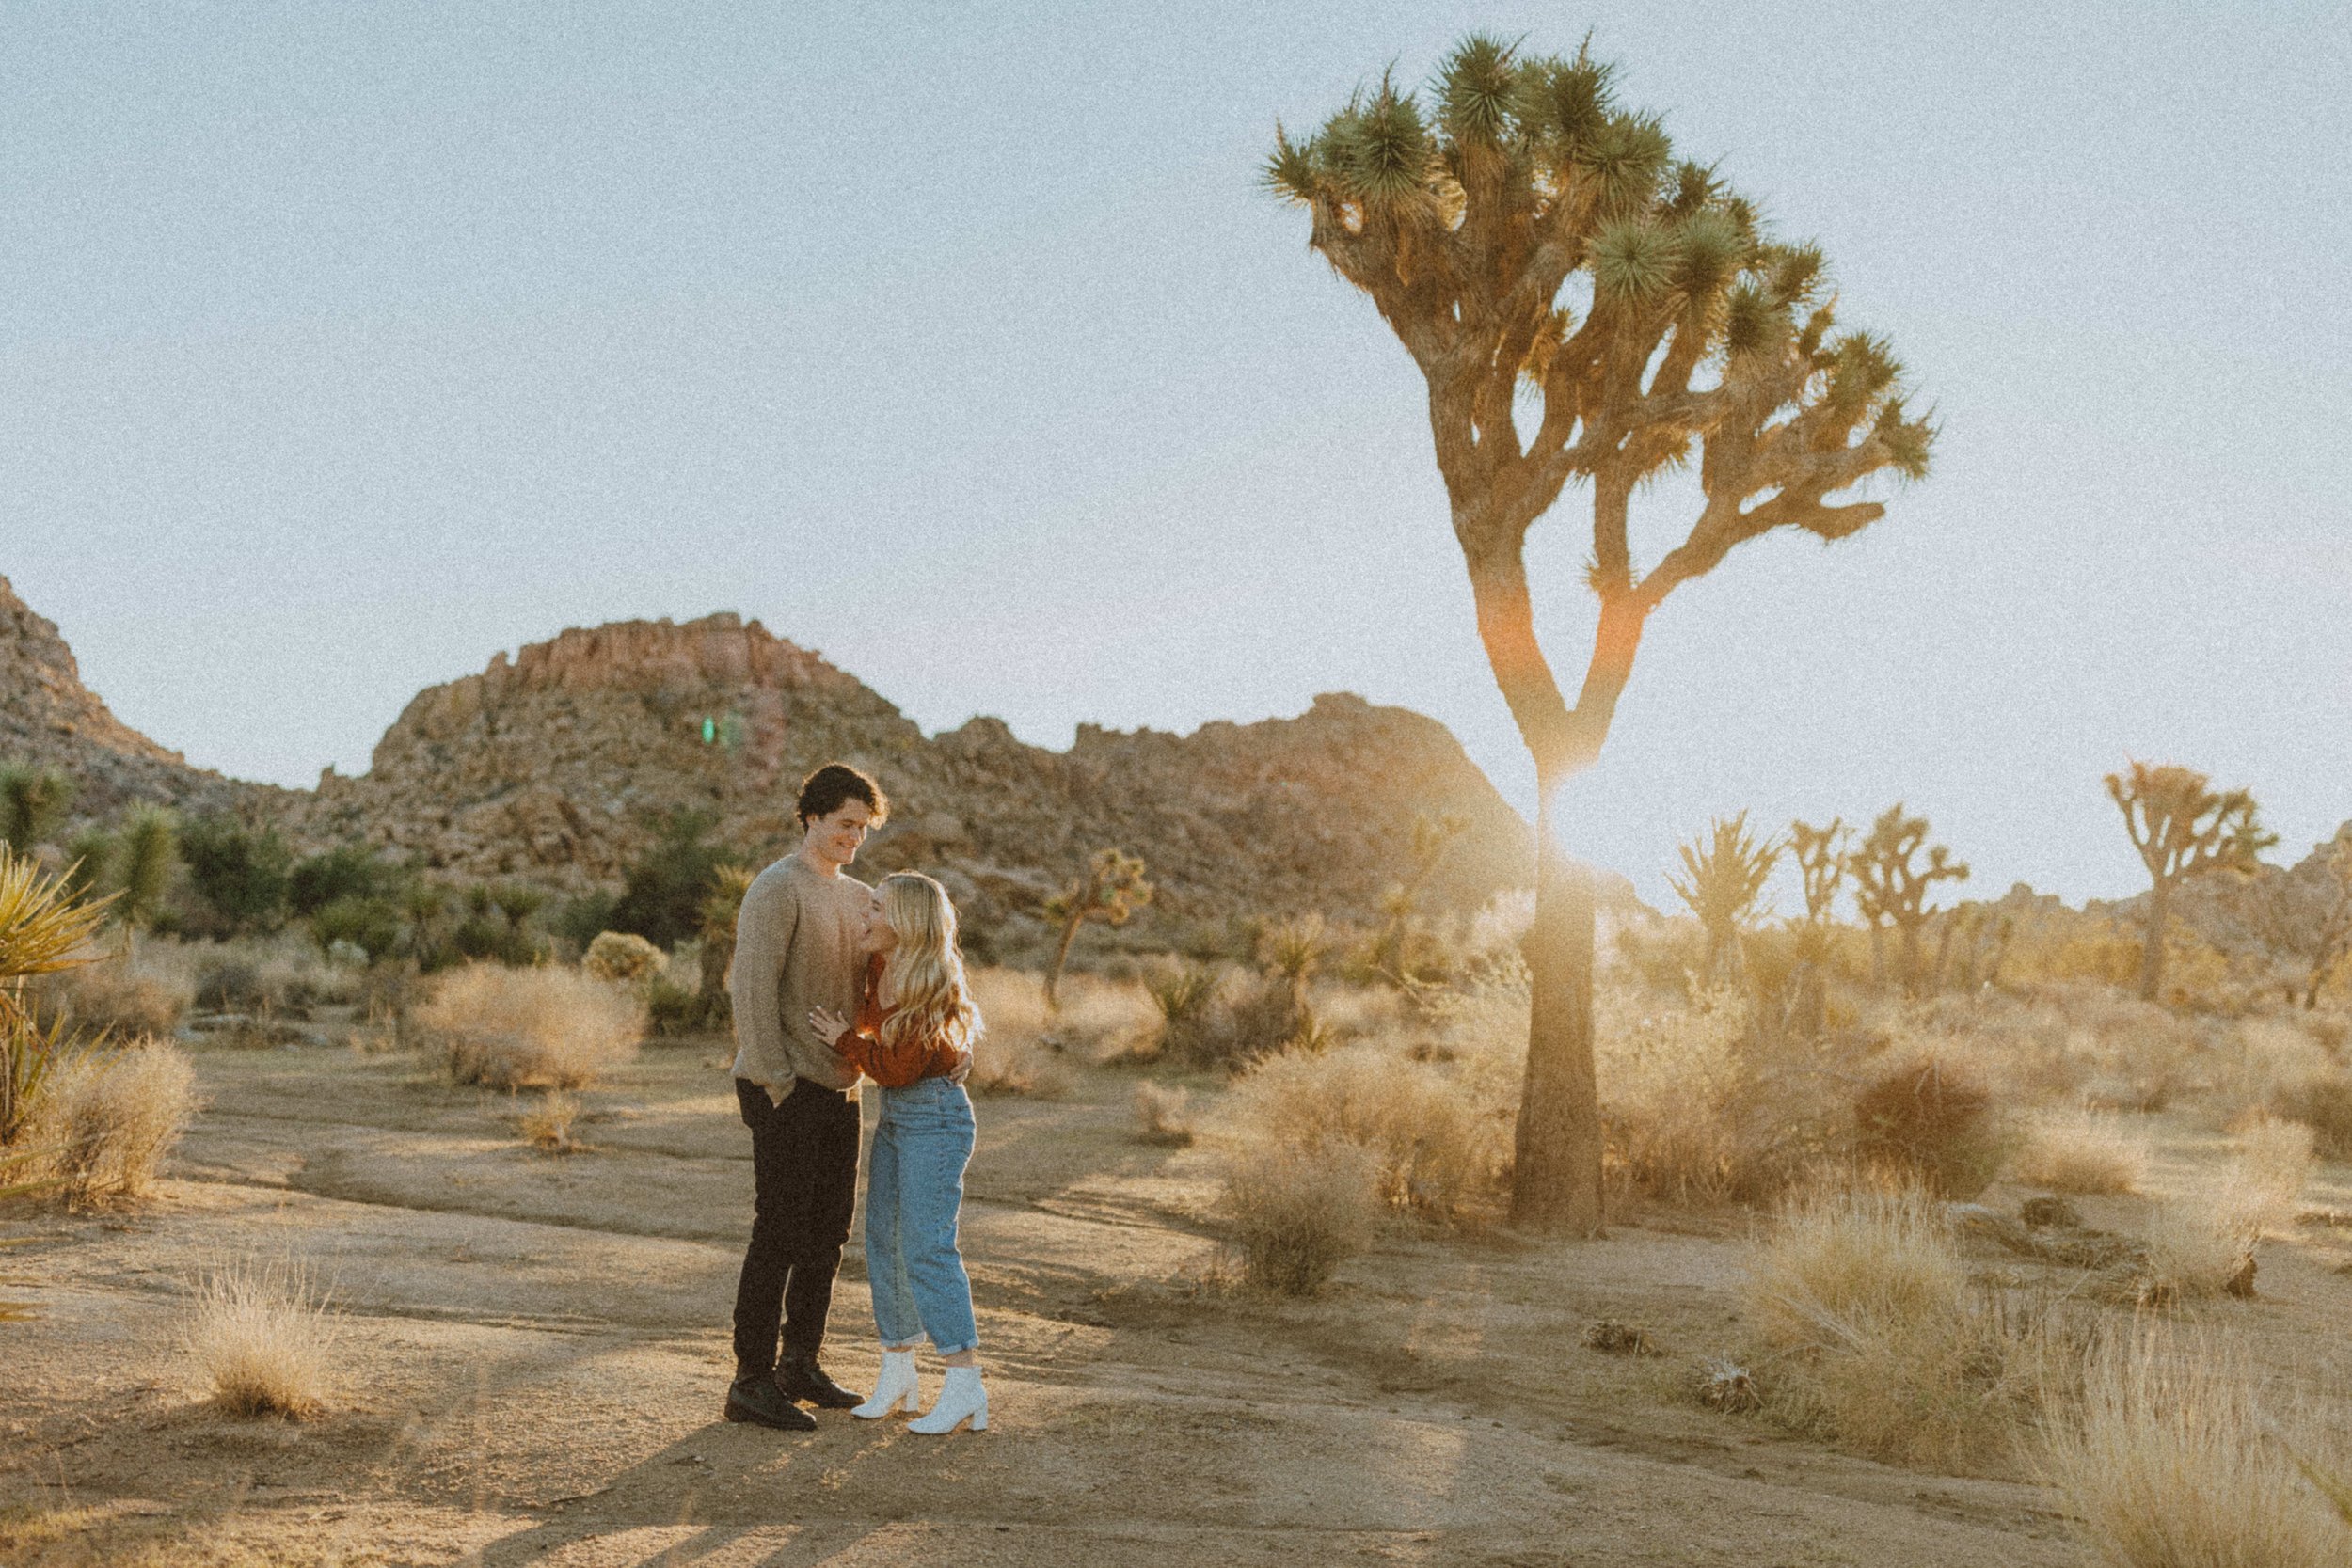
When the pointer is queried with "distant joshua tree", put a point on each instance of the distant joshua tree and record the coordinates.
(1110, 890)
(1820, 857)
(148, 853)
(1891, 888)
(2181, 827)
(1431, 837)
(1723, 876)
(1588, 311)
(32, 804)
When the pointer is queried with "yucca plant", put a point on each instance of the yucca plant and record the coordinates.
(1586, 308)
(1721, 879)
(719, 907)
(1431, 837)
(2181, 827)
(42, 931)
(32, 803)
(1891, 885)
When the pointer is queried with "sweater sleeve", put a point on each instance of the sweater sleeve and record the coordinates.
(764, 928)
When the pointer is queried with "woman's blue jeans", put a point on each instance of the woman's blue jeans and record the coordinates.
(913, 1193)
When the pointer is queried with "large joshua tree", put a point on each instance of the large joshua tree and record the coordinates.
(1588, 311)
(2181, 827)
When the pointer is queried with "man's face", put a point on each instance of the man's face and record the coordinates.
(837, 836)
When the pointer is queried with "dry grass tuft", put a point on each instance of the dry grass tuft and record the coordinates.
(1099, 1019)
(1932, 1121)
(1615, 1336)
(2201, 1243)
(122, 998)
(109, 1118)
(1163, 1114)
(1887, 1348)
(1726, 1386)
(529, 1028)
(2082, 1152)
(263, 1340)
(1294, 1215)
(548, 1126)
(2322, 1103)
(2170, 1463)
(1433, 1148)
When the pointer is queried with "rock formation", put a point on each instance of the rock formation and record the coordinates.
(559, 766)
(48, 718)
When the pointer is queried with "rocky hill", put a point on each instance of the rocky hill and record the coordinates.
(49, 718)
(557, 766)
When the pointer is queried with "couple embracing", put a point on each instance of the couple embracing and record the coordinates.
(835, 982)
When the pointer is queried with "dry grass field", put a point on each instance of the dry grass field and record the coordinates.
(521, 1354)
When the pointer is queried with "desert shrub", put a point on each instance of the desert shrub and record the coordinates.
(2169, 1462)
(346, 871)
(549, 1124)
(1433, 1148)
(238, 875)
(670, 1008)
(1931, 1122)
(1885, 1346)
(1183, 994)
(2082, 1152)
(620, 955)
(1294, 1215)
(124, 997)
(664, 889)
(1163, 1114)
(370, 924)
(2257, 1063)
(1691, 1111)
(109, 1118)
(2322, 1103)
(261, 1340)
(525, 1028)
(2201, 1243)
(1015, 1067)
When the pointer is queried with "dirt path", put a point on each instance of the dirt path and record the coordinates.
(533, 1351)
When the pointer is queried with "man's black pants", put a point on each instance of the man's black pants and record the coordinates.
(804, 1185)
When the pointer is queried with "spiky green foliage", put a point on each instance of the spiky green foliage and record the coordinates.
(148, 855)
(238, 874)
(1721, 879)
(1111, 889)
(2183, 826)
(1892, 883)
(32, 804)
(43, 930)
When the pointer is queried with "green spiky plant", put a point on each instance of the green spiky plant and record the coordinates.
(1587, 309)
(149, 852)
(1721, 880)
(32, 804)
(1111, 888)
(42, 931)
(1293, 949)
(1892, 885)
(721, 907)
(2181, 827)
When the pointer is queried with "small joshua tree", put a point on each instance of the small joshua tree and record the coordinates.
(1721, 879)
(2181, 827)
(1820, 857)
(1110, 890)
(149, 850)
(1891, 888)
(32, 804)
(1588, 312)
(724, 902)
(1431, 837)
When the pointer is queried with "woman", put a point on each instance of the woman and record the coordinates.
(913, 1038)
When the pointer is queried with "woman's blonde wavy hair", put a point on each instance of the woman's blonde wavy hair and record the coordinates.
(923, 981)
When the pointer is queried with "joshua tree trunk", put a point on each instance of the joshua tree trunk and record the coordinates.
(1556, 1176)
(1061, 959)
(2152, 953)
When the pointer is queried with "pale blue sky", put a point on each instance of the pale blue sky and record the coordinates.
(343, 346)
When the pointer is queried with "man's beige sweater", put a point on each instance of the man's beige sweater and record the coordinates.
(798, 943)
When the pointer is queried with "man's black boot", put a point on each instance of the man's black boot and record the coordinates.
(801, 1378)
(755, 1398)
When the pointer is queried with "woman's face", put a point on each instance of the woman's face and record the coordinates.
(879, 938)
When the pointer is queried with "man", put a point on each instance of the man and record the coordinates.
(799, 945)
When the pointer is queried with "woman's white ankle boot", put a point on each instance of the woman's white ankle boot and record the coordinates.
(962, 1398)
(897, 1386)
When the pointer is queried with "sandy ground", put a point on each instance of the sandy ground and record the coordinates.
(533, 1351)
